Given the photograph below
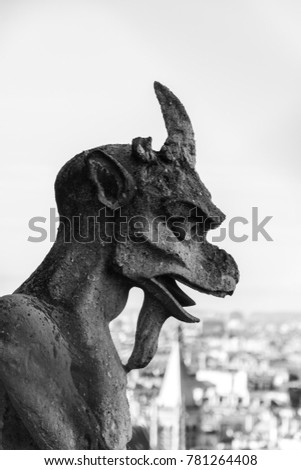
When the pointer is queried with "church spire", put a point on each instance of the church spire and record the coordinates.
(171, 400)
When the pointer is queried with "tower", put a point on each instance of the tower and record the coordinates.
(171, 405)
(175, 408)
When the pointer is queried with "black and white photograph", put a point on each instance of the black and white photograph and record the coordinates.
(150, 229)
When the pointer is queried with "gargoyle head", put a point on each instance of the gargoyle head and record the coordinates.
(161, 211)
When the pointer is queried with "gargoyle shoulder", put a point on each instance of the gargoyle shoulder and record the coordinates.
(15, 309)
(35, 371)
(9, 305)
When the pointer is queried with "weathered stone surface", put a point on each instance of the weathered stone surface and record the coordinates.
(130, 216)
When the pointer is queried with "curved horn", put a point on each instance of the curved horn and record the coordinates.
(180, 143)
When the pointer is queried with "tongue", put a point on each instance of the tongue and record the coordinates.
(163, 298)
(171, 285)
(156, 288)
(150, 321)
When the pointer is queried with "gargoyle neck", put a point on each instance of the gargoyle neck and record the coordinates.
(78, 277)
(75, 287)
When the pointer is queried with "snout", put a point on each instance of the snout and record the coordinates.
(216, 271)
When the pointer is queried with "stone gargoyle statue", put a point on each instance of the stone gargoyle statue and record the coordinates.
(129, 216)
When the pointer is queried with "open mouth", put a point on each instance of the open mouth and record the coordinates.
(171, 285)
(165, 288)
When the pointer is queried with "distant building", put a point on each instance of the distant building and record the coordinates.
(213, 327)
(231, 385)
(236, 323)
(176, 412)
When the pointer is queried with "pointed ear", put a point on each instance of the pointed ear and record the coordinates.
(115, 186)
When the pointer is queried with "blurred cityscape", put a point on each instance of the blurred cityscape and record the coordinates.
(229, 382)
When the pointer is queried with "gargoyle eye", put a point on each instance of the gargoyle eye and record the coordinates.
(212, 222)
(177, 224)
(202, 224)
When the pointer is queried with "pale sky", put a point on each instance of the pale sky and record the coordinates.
(78, 74)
